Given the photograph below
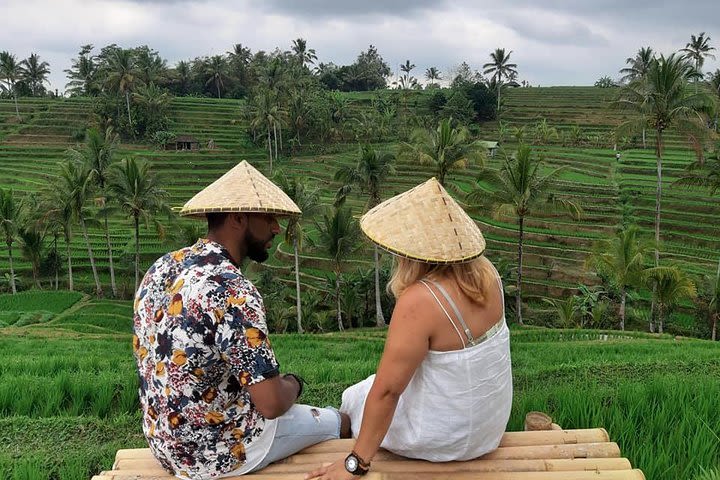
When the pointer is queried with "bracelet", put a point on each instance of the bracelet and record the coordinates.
(299, 380)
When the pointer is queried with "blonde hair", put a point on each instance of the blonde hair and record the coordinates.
(473, 278)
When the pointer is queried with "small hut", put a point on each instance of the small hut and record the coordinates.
(491, 147)
(183, 142)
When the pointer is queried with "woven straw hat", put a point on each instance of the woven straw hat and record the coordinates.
(242, 189)
(425, 224)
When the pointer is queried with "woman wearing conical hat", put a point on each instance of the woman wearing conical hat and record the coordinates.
(443, 388)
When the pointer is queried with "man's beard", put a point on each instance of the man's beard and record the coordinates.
(255, 248)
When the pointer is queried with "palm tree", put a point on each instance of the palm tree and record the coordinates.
(97, 157)
(544, 132)
(308, 200)
(10, 73)
(155, 100)
(34, 72)
(182, 77)
(138, 192)
(150, 66)
(639, 65)
(697, 50)
(32, 244)
(338, 234)
(670, 285)
(302, 53)
(216, 71)
(407, 81)
(369, 175)
(122, 75)
(446, 147)
(520, 189)
(662, 98)
(500, 68)
(56, 203)
(83, 73)
(433, 74)
(76, 178)
(622, 260)
(266, 113)
(10, 213)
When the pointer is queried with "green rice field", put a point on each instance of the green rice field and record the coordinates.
(68, 398)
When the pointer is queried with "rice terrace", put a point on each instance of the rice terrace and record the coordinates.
(609, 327)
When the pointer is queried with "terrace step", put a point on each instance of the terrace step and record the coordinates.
(539, 455)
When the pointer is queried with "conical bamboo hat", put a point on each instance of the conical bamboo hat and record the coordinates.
(241, 189)
(425, 224)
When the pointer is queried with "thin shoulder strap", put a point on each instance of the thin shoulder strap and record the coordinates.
(444, 311)
(468, 333)
(500, 285)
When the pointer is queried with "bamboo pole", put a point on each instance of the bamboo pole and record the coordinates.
(585, 475)
(509, 439)
(532, 452)
(132, 467)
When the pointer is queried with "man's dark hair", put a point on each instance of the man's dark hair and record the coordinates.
(216, 220)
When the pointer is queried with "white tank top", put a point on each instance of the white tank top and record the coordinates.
(457, 404)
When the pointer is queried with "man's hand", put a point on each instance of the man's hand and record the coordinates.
(331, 471)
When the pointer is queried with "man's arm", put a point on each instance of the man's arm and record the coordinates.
(273, 397)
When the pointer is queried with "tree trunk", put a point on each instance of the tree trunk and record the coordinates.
(298, 303)
(217, 84)
(658, 197)
(12, 270)
(379, 318)
(98, 288)
(497, 115)
(717, 306)
(110, 258)
(714, 327)
(17, 112)
(276, 143)
(337, 297)
(643, 138)
(518, 298)
(69, 260)
(127, 102)
(623, 297)
(137, 252)
(270, 149)
(660, 319)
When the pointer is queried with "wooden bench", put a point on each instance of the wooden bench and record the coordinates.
(540, 455)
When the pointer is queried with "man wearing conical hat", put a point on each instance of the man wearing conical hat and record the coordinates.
(213, 399)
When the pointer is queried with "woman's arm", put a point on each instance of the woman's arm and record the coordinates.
(407, 344)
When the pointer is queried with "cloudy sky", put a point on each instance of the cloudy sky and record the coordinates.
(554, 42)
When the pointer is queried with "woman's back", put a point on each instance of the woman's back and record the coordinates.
(457, 404)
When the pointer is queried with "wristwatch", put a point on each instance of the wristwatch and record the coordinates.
(356, 465)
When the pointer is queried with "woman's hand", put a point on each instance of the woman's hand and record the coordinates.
(331, 471)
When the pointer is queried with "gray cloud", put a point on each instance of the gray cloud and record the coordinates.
(553, 41)
(343, 9)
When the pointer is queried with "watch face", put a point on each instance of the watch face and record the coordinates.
(351, 464)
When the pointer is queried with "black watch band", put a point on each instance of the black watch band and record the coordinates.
(356, 465)
(300, 382)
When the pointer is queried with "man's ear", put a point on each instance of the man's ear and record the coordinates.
(240, 219)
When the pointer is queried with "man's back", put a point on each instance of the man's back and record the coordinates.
(200, 336)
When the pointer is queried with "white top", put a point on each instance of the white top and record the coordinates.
(456, 406)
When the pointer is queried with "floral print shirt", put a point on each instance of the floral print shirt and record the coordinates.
(200, 337)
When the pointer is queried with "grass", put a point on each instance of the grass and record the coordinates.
(658, 397)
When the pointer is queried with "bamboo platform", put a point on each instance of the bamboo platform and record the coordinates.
(536, 455)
